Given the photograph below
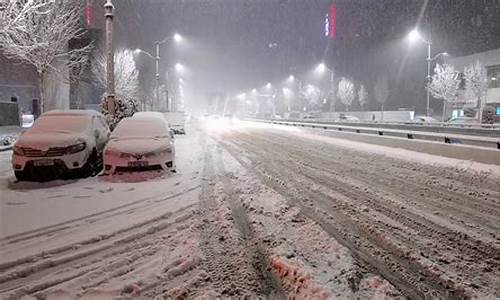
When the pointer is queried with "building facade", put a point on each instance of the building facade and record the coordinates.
(491, 61)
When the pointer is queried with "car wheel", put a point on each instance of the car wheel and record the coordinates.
(93, 165)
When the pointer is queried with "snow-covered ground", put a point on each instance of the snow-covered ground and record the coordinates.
(257, 210)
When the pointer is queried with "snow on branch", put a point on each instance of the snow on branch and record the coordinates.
(346, 92)
(445, 83)
(38, 32)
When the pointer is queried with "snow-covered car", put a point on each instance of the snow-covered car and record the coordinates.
(61, 142)
(424, 119)
(177, 120)
(463, 120)
(343, 118)
(27, 120)
(155, 114)
(140, 143)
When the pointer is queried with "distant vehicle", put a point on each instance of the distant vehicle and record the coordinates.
(343, 117)
(141, 143)
(308, 117)
(61, 142)
(27, 120)
(463, 120)
(424, 119)
(177, 121)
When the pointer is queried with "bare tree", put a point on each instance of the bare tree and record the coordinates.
(444, 85)
(362, 96)
(476, 84)
(41, 37)
(381, 91)
(126, 83)
(346, 92)
(311, 94)
(13, 14)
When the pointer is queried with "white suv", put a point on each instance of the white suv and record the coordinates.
(61, 142)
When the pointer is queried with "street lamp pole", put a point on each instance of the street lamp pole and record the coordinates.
(110, 68)
(332, 88)
(429, 61)
(157, 74)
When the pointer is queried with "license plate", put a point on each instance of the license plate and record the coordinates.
(138, 163)
(43, 162)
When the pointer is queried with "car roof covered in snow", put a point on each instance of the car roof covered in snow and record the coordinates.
(151, 114)
(143, 126)
(72, 112)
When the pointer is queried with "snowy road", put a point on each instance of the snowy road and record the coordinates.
(259, 210)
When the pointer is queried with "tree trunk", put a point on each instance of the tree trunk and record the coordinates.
(41, 88)
(444, 111)
(480, 113)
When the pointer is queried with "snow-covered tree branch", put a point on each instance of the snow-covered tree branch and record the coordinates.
(444, 85)
(476, 84)
(345, 92)
(38, 32)
(126, 82)
(362, 96)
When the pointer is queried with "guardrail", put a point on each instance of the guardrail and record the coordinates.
(447, 138)
(468, 129)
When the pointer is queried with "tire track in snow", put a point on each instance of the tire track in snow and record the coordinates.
(21, 278)
(370, 248)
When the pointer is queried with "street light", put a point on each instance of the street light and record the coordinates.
(321, 68)
(110, 67)
(414, 36)
(178, 38)
(179, 68)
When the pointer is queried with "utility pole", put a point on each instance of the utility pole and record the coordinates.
(429, 61)
(332, 91)
(110, 67)
(157, 75)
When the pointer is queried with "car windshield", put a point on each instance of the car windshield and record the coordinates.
(65, 124)
(140, 127)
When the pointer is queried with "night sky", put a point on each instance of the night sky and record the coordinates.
(228, 49)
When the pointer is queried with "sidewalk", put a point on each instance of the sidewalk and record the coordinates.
(8, 135)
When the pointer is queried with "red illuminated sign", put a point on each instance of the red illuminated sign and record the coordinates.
(333, 16)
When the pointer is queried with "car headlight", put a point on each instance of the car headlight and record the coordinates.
(18, 150)
(76, 148)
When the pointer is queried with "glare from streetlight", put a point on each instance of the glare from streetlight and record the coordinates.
(291, 78)
(179, 67)
(414, 36)
(268, 85)
(137, 51)
(241, 96)
(178, 38)
(321, 68)
(254, 91)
